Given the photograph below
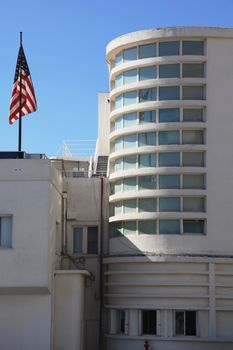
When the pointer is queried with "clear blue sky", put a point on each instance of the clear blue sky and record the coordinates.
(64, 42)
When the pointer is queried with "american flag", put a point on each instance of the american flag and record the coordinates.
(28, 98)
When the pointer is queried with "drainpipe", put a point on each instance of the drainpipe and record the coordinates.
(64, 219)
(101, 265)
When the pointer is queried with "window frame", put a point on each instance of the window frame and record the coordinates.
(10, 239)
(85, 240)
(196, 323)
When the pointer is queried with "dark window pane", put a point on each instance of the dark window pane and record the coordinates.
(169, 137)
(169, 159)
(194, 181)
(92, 240)
(146, 51)
(169, 93)
(147, 182)
(193, 70)
(193, 115)
(130, 228)
(130, 54)
(179, 321)
(194, 226)
(169, 48)
(149, 321)
(169, 227)
(169, 204)
(169, 115)
(193, 93)
(147, 117)
(147, 227)
(193, 48)
(78, 239)
(169, 71)
(193, 159)
(169, 181)
(147, 95)
(190, 323)
(116, 229)
(146, 73)
(122, 321)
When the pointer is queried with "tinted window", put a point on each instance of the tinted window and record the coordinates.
(169, 48)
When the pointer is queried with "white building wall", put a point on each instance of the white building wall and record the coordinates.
(103, 123)
(176, 272)
(25, 322)
(69, 321)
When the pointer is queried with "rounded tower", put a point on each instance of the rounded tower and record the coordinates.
(164, 120)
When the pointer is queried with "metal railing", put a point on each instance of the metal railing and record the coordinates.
(77, 148)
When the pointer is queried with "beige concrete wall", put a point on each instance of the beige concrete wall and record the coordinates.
(103, 123)
(25, 322)
(69, 310)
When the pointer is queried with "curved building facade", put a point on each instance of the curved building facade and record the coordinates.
(169, 267)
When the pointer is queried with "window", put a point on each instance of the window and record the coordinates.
(169, 227)
(130, 206)
(149, 322)
(129, 228)
(169, 181)
(129, 98)
(118, 144)
(194, 204)
(6, 231)
(129, 184)
(130, 54)
(193, 92)
(193, 115)
(118, 208)
(193, 70)
(185, 323)
(147, 117)
(169, 93)
(169, 71)
(194, 226)
(193, 48)
(118, 80)
(147, 160)
(147, 138)
(194, 181)
(129, 119)
(169, 48)
(147, 182)
(118, 186)
(146, 51)
(118, 59)
(78, 240)
(129, 162)
(118, 164)
(146, 95)
(169, 159)
(147, 227)
(118, 101)
(192, 137)
(122, 321)
(92, 240)
(130, 76)
(169, 204)
(169, 137)
(119, 123)
(146, 73)
(85, 240)
(130, 141)
(147, 205)
(169, 115)
(193, 159)
(116, 229)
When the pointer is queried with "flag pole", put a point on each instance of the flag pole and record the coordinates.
(20, 97)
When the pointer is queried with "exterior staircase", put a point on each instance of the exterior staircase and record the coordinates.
(102, 166)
